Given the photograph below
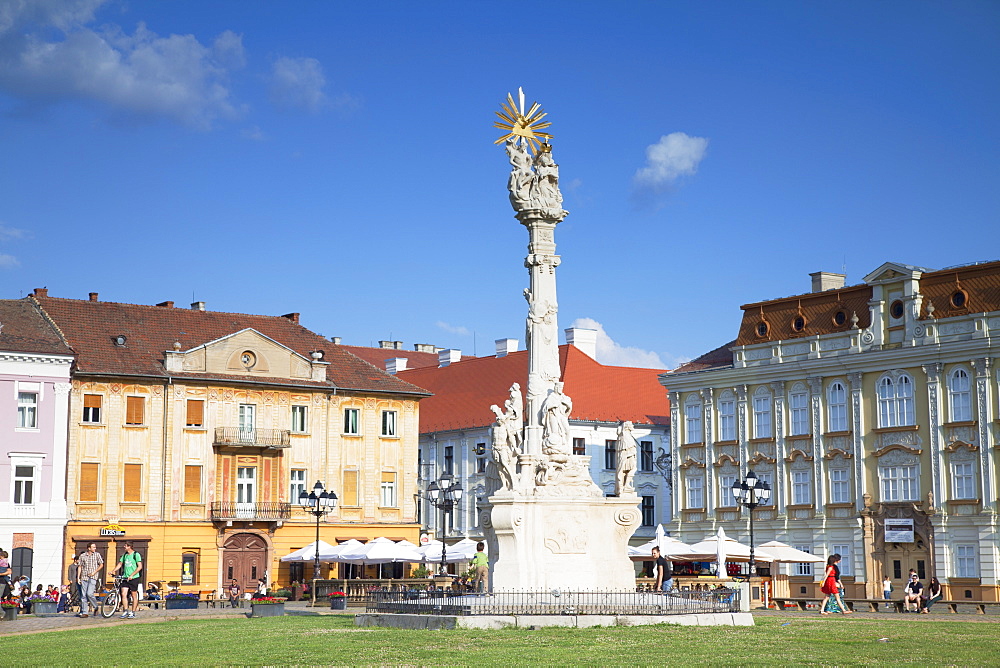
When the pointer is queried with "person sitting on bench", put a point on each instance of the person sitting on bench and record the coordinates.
(912, 594)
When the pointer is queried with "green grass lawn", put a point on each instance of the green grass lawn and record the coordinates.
(334, 640)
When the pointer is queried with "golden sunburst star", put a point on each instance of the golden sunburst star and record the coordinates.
(517, 123)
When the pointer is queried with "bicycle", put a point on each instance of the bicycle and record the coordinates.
(112, 600)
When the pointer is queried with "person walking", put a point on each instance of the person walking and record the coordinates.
(6, 588)
(73, 575)
(131, 566)
(482, 565)
(934, 595)
(831, 588)
(887, 590)
(90, 563)
(664, 572)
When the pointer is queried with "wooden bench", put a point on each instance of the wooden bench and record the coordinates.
(979, 605)
(875, 604)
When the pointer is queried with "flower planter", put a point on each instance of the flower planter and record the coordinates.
(10, 614)
(338, 603)
(44, 607)
(182, 603)
(267, 610)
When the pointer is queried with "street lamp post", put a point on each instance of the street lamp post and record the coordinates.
(444, 493)
(318, 503)
(752, 492)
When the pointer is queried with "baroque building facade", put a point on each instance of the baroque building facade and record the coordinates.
(872, 412)
(194, 432)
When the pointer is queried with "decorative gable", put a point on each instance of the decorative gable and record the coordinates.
(246, 353)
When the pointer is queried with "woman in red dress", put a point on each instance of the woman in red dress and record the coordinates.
(831, 585)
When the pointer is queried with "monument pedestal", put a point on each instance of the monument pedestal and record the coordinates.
(553, 542)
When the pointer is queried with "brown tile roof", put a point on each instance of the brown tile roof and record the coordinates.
(979, 282)
(817, 310)
(713, 359)
(23, 329)
(90, 326)
(463, 391)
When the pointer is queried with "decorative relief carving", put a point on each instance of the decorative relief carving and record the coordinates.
(569, 536)
(795, 349)
(688, 463)
(116, 388)
(964, 434)
(904, 438)
(834, 453)
(959, 446)
(755, 461)
(867, 337)
(897, 455)
(63, 389)
(726, 460)
(954, 328)
(837, 343)
(759, 354)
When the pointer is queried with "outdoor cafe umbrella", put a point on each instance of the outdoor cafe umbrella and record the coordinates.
(382, 551)
(308, 553)
(668, 545)
(720, 554)
(453, 553)
(786, 554)
(708, 550)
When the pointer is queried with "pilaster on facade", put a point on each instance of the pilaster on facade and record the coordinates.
(987, 461)
(935, 430)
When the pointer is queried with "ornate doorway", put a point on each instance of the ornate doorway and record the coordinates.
(245, 559)
(895, 559)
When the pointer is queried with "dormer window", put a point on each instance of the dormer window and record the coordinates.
(959, 298)
(896, 309)
(839, 318)
(762, 329)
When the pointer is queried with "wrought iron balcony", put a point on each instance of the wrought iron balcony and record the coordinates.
(253, 438)
(269, 512)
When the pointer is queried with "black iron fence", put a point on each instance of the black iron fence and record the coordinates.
(447, 602)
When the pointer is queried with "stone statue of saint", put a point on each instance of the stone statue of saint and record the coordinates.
(625, 471)
(545, 185)
(533, 183)
(555, 422)
(521, 176)
(504, 455)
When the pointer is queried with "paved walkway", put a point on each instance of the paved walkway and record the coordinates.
(68, 622)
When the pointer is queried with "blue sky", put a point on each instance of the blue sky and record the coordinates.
(337, 159)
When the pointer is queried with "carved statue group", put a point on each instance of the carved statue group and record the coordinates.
(533, 183)
(507, 436)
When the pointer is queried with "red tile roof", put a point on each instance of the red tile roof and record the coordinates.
(463, 391)
(90, 326)
(23, 329)
(378, 356)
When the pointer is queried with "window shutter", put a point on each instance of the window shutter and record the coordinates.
(132, 492)
(134, 410)
(88, 481)
(388, 476)
(192, 484)
(350, 488)
(195, 413)
(91, 401)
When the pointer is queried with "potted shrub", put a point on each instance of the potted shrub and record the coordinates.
(180, 600)
(338, 600)
(267, 606)
(284, 593)
(42, 604)
(10, 606)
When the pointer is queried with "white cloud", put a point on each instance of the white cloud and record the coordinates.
(612, 353)
(8, 261)
(453, 329)
(297, 83)
(49, 53)
(254, 133)
(8, 233)
(674, 156)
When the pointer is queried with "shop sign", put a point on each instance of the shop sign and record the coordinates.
(899, 531)
(112, 531)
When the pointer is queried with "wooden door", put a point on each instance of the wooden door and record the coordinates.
(245, 559)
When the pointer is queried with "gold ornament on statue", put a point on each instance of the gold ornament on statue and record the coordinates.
(525, 125)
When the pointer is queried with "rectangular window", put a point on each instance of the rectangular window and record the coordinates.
(350, 488)
(965, 561)
(352, 421)
(189, 568)
(804, 568)
(611, 454)
(388, 489)
(648, 511)
(762, 416)
(195, 413)
(296, 484)
(769, 479)
(727, 420)
(846, 563)
(92, 408)
(579, 446)
(24, 485)
(726, 490)
(696, 492)
(135, 410)
(801, 487)
(899, 483)
(192, 484)
(389, 423)
(692, 421)
(132, 483)
(300, 419)
(800, 414)
(836, 408)
(449, 459)
(480, 464)
(963, 480)
(646, 456)
(27, 410)
(840, 486)
(88, 481)
(960, 396)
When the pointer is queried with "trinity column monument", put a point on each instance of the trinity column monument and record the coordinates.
(547, 524)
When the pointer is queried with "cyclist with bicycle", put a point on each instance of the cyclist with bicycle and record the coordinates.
(131, 566)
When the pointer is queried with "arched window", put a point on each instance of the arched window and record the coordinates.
(960, 396)
(895, 401)
(836, 407)
(762, 414)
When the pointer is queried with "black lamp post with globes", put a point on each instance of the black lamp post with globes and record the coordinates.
(318, 503)
(750, 493)
(444, 493)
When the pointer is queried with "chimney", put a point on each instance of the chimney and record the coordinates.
(826, 280)
(163, 304)
(425, 348)
(449, 356)
(198, 306)
(385, 344)
(506, 347)
(294, 317)
(395, 364)
(585, 340)
(335, 340)
(93, 296)
(398, 345)
(41, 292)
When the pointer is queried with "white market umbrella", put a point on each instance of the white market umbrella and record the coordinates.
(660, 535)
(708, 550)
(670, 548)
(720, 554)
(345, 548)
(308, 553)
(382, 551)
(786, 554)
(453, 553)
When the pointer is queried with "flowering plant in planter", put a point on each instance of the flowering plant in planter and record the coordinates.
(182, 595)
(266, 600)
(337, 594)
(40, 598)
(9, 603)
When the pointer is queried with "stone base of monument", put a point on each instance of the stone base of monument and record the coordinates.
(404, 621)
